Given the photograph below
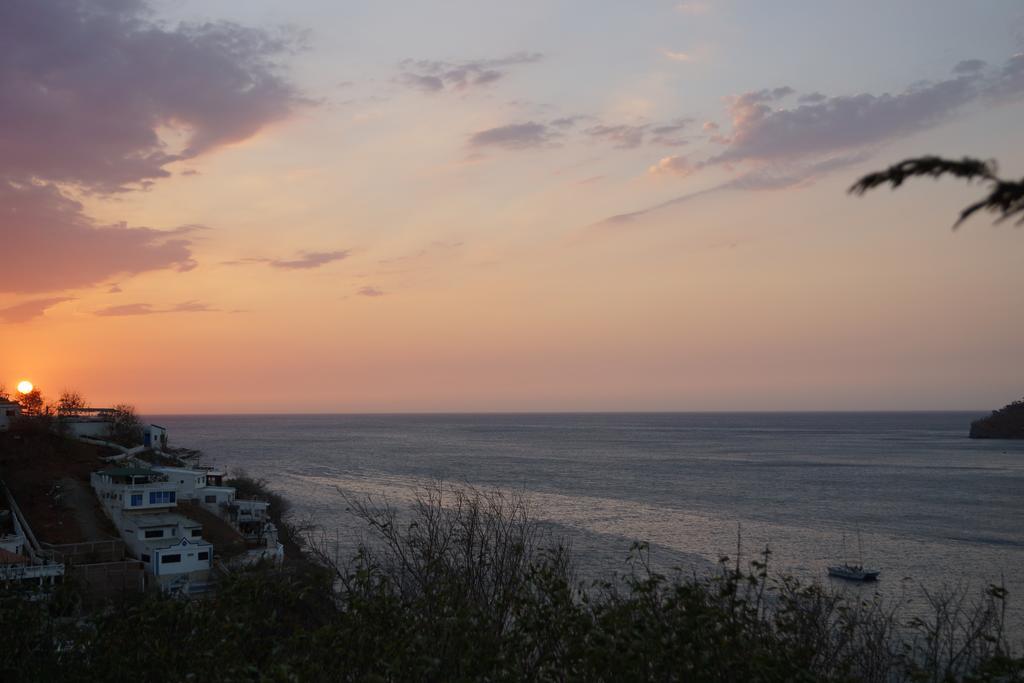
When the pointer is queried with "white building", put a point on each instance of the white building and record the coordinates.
(141, 503)
(187, 481)
(95, 423)
(8, 411)
(98, 423)
(155, 437)
(250, 518)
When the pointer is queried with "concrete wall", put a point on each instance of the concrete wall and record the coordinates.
(97, 429)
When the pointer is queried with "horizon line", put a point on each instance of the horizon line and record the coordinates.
(865, 411)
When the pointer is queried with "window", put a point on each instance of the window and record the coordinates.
(158, 497)
(204, 556)
(145, 557)
(136, 499)
(197, 532)
(154, 533)
(211, 499)
(170, 559)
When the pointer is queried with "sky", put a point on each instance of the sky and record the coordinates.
(214, 206)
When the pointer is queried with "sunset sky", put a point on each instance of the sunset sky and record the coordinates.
(458, 205)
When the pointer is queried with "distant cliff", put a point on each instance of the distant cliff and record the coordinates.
(1005, 423)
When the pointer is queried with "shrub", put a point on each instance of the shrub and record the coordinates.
(467, 586)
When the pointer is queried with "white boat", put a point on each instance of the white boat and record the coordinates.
(853, 572)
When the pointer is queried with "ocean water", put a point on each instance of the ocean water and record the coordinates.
(932, 507)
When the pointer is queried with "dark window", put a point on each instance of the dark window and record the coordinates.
(136, 499)
(204, 556)
(155, 533)
(145, 557)
(170, 559)
(197, 532)
(211, 499)
(157, 497)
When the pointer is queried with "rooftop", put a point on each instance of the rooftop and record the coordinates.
(179, 470)
(155, 519)
(168, 542)
(130, 472)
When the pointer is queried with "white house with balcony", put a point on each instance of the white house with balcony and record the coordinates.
(141, 502)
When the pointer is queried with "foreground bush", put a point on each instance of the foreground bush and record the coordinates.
(466, 586)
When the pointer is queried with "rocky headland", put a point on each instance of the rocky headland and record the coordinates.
(1005, 423)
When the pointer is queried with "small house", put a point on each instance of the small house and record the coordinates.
(8, 412)
(155, 437)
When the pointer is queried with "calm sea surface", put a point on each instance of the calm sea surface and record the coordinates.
(932, 506)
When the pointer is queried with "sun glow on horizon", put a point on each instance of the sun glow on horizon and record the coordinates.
(24, 386)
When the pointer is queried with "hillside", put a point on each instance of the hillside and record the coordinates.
(49, 477)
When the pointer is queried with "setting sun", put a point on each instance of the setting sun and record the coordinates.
(24, 386)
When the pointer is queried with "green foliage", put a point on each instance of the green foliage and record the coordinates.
(1005, 197)
(467, 587)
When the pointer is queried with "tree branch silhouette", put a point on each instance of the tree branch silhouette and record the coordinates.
(1005, 197)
